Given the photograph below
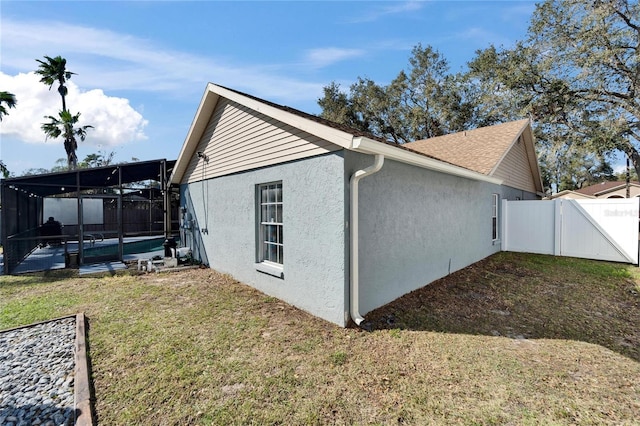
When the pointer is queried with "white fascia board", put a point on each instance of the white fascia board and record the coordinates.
(533, 157)
(197, 128)
(530, 150)
(368, 146)
(506, 151)
(330, 134)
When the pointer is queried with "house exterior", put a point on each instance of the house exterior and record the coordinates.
(608, 189)
(331, 220)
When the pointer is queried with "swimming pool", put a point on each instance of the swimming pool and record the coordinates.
(129, 247)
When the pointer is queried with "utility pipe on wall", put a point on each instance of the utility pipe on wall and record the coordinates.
(354, 278)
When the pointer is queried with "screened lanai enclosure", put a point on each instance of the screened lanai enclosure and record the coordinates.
(87, 216)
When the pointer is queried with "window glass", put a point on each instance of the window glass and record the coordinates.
(270, 223)
(494, 217)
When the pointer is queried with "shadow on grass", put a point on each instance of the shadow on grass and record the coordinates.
(34, 278)
(527, 296)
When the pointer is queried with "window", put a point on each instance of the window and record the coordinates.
(494, 217)
(270, 246)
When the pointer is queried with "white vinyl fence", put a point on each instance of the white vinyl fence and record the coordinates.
(591, 229)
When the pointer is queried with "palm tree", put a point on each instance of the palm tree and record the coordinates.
(55, 70)
(7, 101)
(65, 126)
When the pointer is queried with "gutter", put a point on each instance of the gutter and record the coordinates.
(368, 146)
(354, 278)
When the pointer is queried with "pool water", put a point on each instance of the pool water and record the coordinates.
(131, 247)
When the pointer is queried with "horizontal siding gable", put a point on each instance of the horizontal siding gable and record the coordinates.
(238, 138)
(515, 170)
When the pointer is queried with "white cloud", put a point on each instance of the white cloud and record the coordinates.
(115, 61)
(323, 57)
(115, 121)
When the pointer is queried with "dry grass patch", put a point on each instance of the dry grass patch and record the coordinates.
(528, 296)
(504, 342)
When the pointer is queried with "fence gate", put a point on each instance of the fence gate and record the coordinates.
(591, 229)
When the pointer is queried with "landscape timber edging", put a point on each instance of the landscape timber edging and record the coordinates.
(82, 388)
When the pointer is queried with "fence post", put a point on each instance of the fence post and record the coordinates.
(503, 226)
(557, 227)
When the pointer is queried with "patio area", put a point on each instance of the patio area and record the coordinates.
(50, 258)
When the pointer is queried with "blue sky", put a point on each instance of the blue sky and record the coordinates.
(142, 66)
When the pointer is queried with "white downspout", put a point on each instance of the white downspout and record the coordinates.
(354, 279)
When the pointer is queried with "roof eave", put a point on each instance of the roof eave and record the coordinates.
(210, 99)
(369, 146)
(532, 158)
(198, 125)
(335, 136)
(614, 188)
(506, 151)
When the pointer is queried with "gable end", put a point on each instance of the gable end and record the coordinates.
(238, 138)
(515, 168)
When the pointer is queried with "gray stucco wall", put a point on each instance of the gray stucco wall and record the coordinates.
(313, 227)
(509, 193)
(416, 226)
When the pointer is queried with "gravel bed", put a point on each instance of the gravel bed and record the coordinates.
(37, 374)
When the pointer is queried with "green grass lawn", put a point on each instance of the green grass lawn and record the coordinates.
(514, 339)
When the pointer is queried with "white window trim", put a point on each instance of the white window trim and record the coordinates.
(495, 214)
(270, 268)
(263, 265)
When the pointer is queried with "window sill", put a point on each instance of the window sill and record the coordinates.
(496, 242)
(271, 269)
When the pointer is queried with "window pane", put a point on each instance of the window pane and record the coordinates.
(273, 253)
(272, 194)
(270, 223)
(279, 213)
(271, 233)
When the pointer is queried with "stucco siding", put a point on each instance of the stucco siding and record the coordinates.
(515, 170)
(416, 226)
(512, 194)
(238, 139)
(313, 227)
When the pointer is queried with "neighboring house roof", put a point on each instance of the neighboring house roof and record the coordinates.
(602, 188)
(567, 193)
(487, 150)
(340, 136)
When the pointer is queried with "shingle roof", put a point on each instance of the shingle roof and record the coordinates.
(603, 187)
(479, 150)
